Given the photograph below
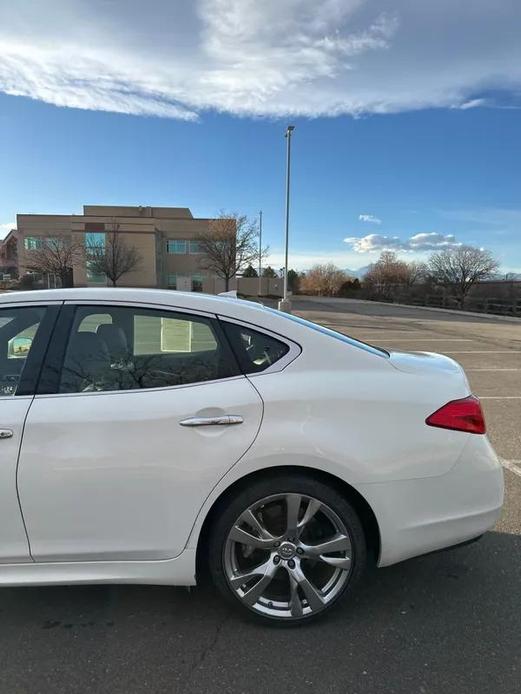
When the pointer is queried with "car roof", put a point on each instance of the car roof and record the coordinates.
(209, 303)
(252, 312)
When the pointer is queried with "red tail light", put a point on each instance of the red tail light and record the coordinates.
(462, 415)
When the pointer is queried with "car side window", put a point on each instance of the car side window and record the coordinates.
(128, 348)
(18, 329)
(255, 350)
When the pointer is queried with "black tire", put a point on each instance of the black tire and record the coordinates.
(281, 484)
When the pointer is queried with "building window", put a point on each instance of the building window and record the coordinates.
(195, 247)
(32, 243)
(197, 283)
(177, 246)
(172, 280)
(55, 242)
(94, 240)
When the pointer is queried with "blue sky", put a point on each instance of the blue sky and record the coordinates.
(402, 140)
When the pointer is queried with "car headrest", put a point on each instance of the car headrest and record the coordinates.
(114, 337)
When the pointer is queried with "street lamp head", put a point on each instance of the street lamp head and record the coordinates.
(289, 130)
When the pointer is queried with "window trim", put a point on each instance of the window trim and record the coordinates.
(295, 350)
(50, 376)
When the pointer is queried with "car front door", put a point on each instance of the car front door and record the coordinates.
(24, 332)
(139, 413)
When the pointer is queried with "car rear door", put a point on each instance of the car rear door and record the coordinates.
(140, 412)
(24, 333)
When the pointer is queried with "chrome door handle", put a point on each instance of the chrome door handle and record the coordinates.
(6, 433)
(223, 420)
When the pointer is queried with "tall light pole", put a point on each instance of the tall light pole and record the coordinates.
(285, 304)
(260, 252)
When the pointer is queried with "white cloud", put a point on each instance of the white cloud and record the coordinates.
(427, 241)
(269, 58)
(431, 241)
(369, 219)
(472, 103)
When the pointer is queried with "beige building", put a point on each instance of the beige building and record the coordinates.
(164, 236)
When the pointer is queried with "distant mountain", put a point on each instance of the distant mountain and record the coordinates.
(357, 273)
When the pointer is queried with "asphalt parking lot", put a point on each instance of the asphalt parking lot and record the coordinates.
(445, 623)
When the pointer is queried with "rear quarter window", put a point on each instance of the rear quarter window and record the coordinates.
(255, 350)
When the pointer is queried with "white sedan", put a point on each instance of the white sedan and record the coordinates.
(152, 436)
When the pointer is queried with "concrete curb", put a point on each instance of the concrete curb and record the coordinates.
(490, 316)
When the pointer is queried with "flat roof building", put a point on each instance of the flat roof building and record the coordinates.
(165, 238)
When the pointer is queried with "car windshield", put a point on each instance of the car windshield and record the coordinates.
(378, 351)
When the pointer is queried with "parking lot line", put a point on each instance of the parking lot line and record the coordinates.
(486, 351)
(491, 368)
(424, 339)
(499, 397)
(512, 465)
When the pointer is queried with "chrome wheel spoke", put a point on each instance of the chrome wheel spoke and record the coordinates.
(254, 523)
(293, 502)
(339, 562)
(295, 604)
(254, 593)
(245, 538)
(239, 579)
(338, 543)
(311, 510)
(313, 596)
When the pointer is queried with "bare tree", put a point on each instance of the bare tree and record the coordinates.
(388, 273)
(461, 268)
(114, 258)
(56, 256)
(324, 280)
(415, 272)
(229, 245)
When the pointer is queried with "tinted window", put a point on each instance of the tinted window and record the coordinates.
(133, 348)
(18, 329)
(255, 351)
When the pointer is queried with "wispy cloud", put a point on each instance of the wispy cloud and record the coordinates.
(369, 219)
(425, 241)
(472, 103)
(246, 57)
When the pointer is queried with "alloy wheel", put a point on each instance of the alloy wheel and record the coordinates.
(288, 556)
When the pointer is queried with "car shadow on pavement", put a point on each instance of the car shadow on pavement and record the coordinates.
(447, 622)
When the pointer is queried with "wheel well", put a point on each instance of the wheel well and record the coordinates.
(364, 511)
